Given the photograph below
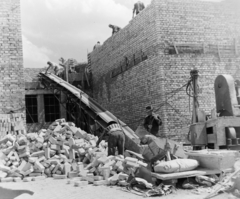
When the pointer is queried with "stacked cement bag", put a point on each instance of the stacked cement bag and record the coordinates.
(177, 165)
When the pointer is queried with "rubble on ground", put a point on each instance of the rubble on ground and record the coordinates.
(65, 151)
(62, 151)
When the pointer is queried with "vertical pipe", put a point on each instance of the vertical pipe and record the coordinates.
(194, 75)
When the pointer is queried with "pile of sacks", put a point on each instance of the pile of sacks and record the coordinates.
(62, 151)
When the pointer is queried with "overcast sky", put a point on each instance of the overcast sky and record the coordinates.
(68, 28)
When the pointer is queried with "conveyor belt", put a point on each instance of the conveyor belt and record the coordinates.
(94, 110)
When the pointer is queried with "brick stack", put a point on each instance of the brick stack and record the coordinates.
(11, 61)
(63, 151)
(213, 25)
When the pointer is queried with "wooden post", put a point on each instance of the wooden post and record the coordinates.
(194, 75)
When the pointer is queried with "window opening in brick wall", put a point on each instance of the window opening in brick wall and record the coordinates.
(52, 108)
(31, 108)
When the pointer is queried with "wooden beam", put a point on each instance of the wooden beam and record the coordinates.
(38, 92)
(175, 48)
(185, 174)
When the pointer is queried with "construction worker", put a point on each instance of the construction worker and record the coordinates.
(97, 45)
(115, 29)
(58, 70)
(152, 121)
(138, 7)
(116, 139)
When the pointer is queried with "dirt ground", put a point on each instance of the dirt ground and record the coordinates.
(60, 189)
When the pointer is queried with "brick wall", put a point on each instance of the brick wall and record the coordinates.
(206, 36)
(31, 74)
(11, 60)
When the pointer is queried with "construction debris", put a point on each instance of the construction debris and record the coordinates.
(62, 151)
(65, 151)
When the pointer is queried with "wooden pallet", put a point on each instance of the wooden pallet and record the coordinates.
(186, 174)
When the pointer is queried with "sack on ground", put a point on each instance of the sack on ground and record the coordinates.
(178, 165)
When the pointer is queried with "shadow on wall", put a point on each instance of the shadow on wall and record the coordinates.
(11, 194)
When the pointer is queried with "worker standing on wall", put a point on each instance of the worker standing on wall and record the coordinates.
(97, 45)
(138, 7)
(152, 121)
(116, 139)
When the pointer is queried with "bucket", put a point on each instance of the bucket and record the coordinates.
(106, 172)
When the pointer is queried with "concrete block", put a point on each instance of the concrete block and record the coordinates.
(47, 152)
(27, 179)
(67, 168)
(4, 168)
(37, 154)
(123, 183)
(130, 159)
(56, 168)
(81, 183)
(132, 164)
(122, 176)
(56, 176)
(101, 182)
(26, 166)
(32, 159)
(43, 158)
(3, 174)
(17, 179)
(37, 178)
(103, 160)
(39, 166)
(73, 174)
(35, 174)
(9, 179)
(97, 178)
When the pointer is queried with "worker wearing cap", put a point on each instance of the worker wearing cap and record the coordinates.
(116, 139)
(152, 121)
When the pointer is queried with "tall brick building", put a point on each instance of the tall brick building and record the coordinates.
(149, 59)
(12, 94)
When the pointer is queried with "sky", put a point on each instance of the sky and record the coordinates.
(68, 28)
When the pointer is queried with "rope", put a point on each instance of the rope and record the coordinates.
(174, 92)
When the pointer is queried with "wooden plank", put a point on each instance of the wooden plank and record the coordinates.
(186, 174)
(211, 122)
(175, 48)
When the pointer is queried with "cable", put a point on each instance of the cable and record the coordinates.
(174, 92)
